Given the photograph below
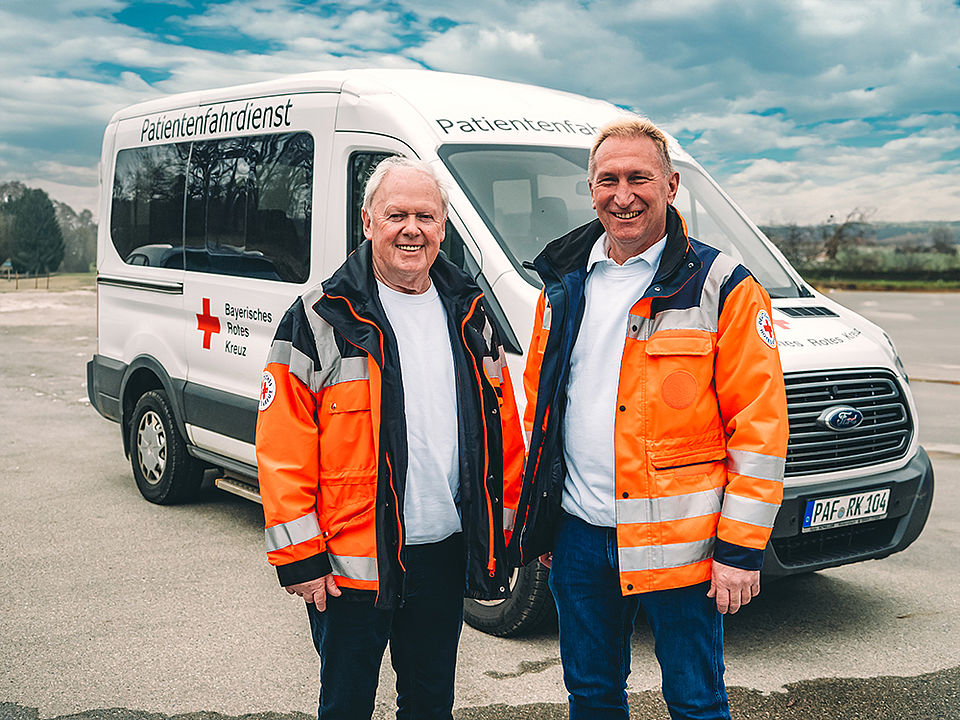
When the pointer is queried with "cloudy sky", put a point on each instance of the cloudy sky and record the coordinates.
(799, 108)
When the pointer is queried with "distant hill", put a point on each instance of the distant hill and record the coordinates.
(855, 249)
(902, 234)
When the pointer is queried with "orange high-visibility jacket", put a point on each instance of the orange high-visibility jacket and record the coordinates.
(331, 437)
(701, 424)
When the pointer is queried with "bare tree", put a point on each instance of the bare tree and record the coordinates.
(854, 230)
(943, 240)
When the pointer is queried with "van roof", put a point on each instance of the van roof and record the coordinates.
(461, 108)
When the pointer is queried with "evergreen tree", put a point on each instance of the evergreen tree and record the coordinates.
(37, 239)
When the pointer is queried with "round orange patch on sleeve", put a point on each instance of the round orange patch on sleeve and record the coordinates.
(679, 389)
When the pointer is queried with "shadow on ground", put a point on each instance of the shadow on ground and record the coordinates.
(935, 696)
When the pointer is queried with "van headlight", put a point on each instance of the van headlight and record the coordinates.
(896, 356)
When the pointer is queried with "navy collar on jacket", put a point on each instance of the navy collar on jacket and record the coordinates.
(352, 290)
(354, 280)
(570, 253)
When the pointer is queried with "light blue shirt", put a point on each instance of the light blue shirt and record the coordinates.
(588, 423)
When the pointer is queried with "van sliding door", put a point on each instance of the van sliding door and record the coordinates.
(253, 225)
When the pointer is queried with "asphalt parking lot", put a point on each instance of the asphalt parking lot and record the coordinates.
(116, 608)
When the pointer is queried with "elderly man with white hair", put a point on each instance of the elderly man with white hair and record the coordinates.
(389, 451)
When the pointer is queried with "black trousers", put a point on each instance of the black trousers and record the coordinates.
(351, 636)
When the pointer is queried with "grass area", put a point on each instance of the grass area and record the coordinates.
(59, 282)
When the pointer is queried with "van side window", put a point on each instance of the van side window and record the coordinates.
(146, 217)
(361, 166)
(249, 206)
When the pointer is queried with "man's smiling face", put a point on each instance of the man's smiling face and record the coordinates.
(405, 226)
(630, 192)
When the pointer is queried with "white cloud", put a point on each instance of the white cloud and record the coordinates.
(284, 22)
(859, 97)
(737, 134)
(904, 179)
(78, 174)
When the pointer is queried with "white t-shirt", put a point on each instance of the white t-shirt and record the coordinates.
(430, 402)
(588, 423)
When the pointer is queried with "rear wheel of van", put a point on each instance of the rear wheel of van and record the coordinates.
(165, 472)
(528, 609)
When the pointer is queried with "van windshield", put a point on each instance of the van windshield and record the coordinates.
(530, 195)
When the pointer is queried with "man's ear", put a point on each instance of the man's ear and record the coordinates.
(674, 184)
(367, 229)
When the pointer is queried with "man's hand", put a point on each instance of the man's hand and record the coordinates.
(732, 587)
(316, 591)
(546, 559)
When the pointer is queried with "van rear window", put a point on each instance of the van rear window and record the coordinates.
(146, 219)
(235, 206)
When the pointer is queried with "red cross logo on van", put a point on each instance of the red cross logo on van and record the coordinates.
(207, 323)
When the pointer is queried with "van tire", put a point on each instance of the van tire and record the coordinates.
(165, 472)
(529, 608)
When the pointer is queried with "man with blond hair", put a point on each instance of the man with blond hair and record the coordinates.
(658, 432)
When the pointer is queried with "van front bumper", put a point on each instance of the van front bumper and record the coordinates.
(791, 551)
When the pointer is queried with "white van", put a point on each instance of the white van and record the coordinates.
(220, 207)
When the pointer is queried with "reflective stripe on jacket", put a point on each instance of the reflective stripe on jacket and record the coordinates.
(701, 423)
(331, 437)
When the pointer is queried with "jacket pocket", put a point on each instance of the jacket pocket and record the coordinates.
(346, 435)
(673, 458)
(347, 397)
(678, 382)
(681, 471)
(678, 345)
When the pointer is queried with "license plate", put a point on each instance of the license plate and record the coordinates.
(823, 513)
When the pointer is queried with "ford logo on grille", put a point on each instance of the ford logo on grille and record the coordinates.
(840, 418)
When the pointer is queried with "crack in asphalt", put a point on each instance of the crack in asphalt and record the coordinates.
(933, 696)
(526, 666)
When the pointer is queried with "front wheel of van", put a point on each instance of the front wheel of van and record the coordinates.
(529, 608)
(165, 472)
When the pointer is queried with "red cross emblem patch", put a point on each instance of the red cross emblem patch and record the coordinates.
(268, 389)
(765, 329)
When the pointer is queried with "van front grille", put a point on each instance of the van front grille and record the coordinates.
(884, 434)
(808, 311)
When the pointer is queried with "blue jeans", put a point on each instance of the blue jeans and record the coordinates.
(596, 623)
(351, 636)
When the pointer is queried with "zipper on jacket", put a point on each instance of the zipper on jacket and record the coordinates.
(396, 505)
(491, 560)
(386, 455)
(544, 424)
(396, 500)
(533, 489)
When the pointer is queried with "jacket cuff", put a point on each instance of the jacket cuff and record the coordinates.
(737, 556)
(304, 570)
